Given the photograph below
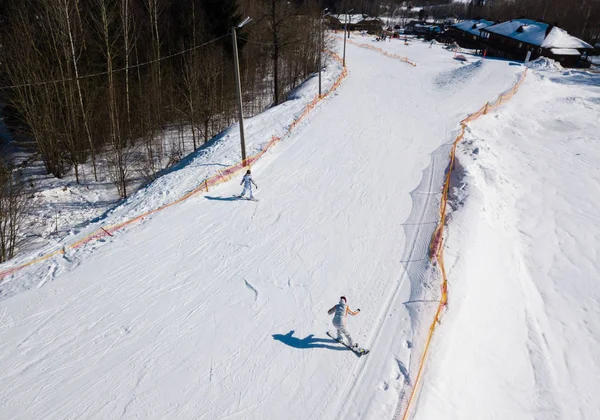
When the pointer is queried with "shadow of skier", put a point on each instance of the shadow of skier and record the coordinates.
(234, 198)
(308, 342)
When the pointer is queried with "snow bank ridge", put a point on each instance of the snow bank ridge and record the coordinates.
(544, 63)
(436, 258)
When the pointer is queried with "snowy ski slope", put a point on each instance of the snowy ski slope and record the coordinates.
(216, 308)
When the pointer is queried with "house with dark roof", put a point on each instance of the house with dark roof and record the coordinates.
(519, 38)
(467, 34)
(356, 22)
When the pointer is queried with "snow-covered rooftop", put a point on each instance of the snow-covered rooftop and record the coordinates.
(412, 9)
(425, 26)
(356, 18)
(534, 33)
(473, 26)
(524, 30)
(564, 51)
(559, 38)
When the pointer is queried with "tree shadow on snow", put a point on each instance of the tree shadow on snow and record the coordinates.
(308, 342)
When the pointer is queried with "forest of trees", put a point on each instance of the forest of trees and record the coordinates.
(86, 81)
(106, 77)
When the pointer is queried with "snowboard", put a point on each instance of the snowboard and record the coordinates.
(246, 198)
(359, 351)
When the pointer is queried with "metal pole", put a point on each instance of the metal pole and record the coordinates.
(320, 50)
(238, 85)
(345, 30)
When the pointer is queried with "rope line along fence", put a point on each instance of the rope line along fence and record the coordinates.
(220, 177)
(405, 406)
(381, 51)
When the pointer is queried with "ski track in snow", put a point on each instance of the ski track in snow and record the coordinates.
(250, 287)
(159, 323)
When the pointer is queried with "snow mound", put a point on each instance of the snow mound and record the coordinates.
(544, 63)
(453, 79)
(534, 250)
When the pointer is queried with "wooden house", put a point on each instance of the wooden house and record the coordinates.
(467, 34)
(356, 22)
(522, 38)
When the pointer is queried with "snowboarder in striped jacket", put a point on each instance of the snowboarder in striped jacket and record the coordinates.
(341, 310)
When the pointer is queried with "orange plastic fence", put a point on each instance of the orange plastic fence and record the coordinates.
(379, 50)
(436, 252)
(219, 178)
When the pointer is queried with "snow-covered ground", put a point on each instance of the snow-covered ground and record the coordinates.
(216, 308)
(521, 337)
(61, 205)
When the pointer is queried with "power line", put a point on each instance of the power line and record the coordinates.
(88, 76)
(270, 44)
(255, 42)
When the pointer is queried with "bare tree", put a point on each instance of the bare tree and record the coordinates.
(128, 30)
(153, 96)
(288, 31)
(13, 202)
(67, 9)
(34, 98)
(118, 159)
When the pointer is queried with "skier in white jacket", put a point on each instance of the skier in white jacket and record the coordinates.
(248, 181)
(341, 310)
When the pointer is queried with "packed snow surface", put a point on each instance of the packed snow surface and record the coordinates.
(216, 308)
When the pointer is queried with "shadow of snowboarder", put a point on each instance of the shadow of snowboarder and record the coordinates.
(232, 198)
(308, 342)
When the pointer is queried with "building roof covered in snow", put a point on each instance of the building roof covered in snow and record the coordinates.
(356, 18)
(559, 38)
(411, 9)
(564, 51)
(536, 33)
(356, 21)
(473, 26)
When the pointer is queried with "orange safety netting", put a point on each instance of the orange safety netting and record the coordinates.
(219, 178)
(436, 254)
(379, 50)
